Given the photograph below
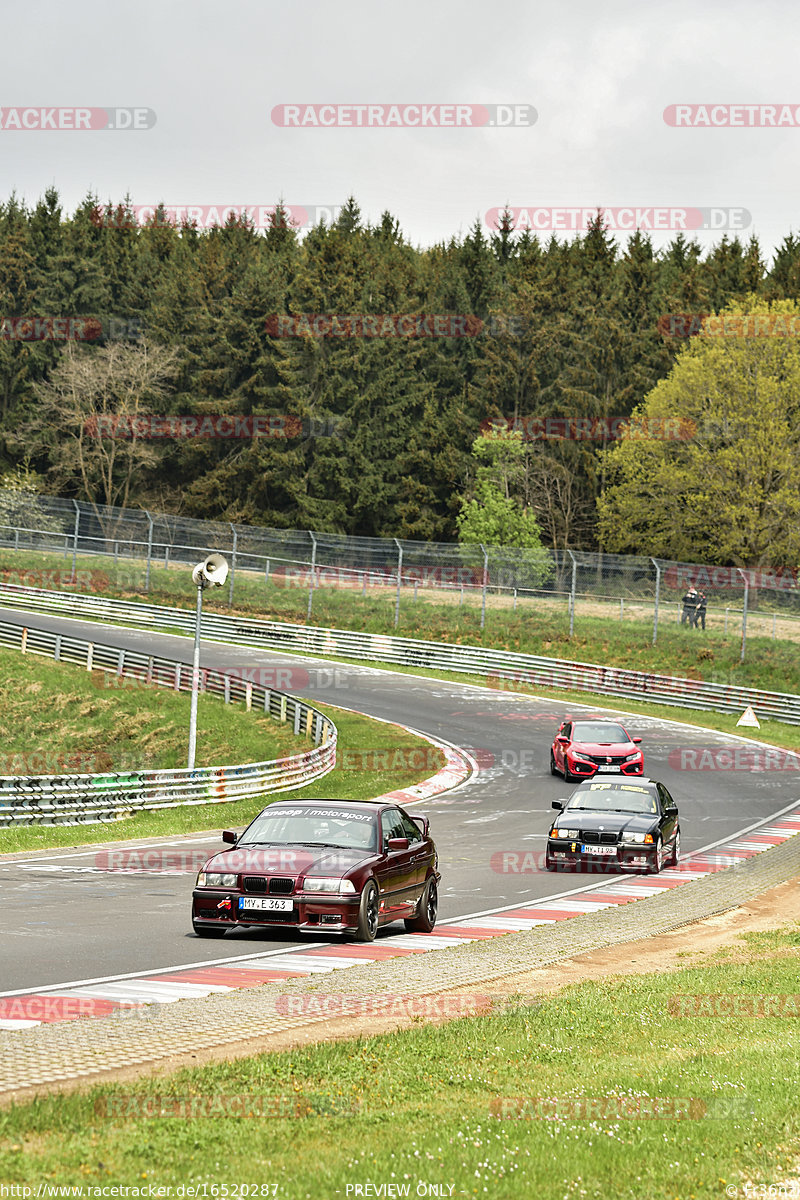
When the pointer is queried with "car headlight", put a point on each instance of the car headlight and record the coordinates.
(633, 757)
(210, 879)
(329, 884)
(639, 839)
(565, 833)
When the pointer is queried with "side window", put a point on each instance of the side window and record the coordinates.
(566, 730)
(411, 829)
(391, 825)
(664, 796)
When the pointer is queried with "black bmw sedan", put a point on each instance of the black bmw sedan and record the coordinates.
(616, 822)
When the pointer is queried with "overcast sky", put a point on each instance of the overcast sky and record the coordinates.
(599, 76)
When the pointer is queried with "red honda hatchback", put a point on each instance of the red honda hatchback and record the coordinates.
(583, 749)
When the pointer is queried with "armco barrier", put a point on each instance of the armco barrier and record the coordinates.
(82, 799)
(509, 668)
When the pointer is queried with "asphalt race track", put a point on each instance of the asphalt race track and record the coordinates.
(74, 915)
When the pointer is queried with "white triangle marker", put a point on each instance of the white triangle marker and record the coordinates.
(749, 718)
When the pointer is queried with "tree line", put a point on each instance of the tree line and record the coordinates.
(372, 415)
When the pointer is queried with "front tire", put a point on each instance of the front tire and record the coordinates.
(549, 863)
(656, 867)
(208, 931)
(675, 857)
(368, 911)
(424, 919)
(553, 767)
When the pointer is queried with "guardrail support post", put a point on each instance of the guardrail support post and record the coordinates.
(75, 539)
(195, 682)
(658, 594)
(311, 580)
(149, 550)
(234, 548)
(399, 580)
(572, 594)
(485, 581)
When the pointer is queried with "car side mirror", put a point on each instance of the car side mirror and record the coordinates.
(637, 741)
(562, 741)
(671, 810)
(397, 844)
(229, 837)
(559, 804)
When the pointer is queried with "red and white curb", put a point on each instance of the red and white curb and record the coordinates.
(129, 995)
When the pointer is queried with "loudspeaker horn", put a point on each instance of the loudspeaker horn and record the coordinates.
(212, 572)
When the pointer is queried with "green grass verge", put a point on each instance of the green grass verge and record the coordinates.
(60, 719)
(419, 1107)
(538, 626)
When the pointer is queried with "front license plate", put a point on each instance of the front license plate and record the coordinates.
(266, 903)
(604, 850)
(608, 768)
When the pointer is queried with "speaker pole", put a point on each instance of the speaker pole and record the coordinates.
(195, 681)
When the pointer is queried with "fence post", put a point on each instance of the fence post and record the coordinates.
(149, 550)
(658, 594)
(572, 594)
(485, 581)
(75, 539)
(234, 548)
(399, 581)
(744, 612)
(266, 572)
(311, 581)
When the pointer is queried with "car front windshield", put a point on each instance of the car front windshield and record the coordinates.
(603, 797)
(604, 732)
(317, 826)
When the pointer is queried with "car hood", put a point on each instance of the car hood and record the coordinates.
(287, 860)
(608, 822)
(604, 747)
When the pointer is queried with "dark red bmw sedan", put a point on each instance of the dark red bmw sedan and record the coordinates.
(583, 749)
(333, 866)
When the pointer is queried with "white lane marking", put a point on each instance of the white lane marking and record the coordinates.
(144, 991)
(117, 847)
(9, 1024)
(51, 868)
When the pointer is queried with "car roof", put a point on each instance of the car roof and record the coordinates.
(620, 780)
(332, 802)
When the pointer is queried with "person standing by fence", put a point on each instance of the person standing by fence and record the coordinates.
(700, 611)
(690, 606)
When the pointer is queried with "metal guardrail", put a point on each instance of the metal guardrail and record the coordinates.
(92, 798)
(509, 668)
